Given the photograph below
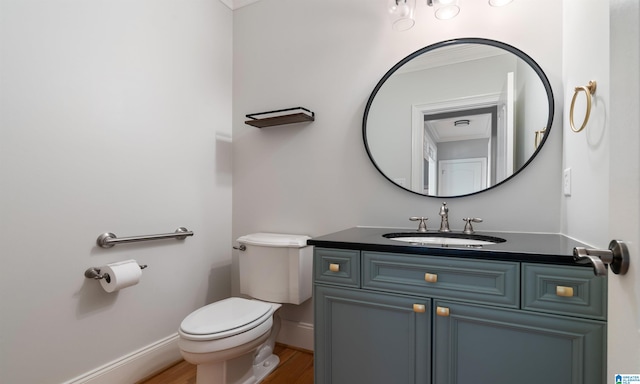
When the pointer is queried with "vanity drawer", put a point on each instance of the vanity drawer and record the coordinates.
(337, 266)
(491, 282)
(564, 290)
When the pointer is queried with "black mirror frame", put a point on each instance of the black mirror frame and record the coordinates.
(471, 40)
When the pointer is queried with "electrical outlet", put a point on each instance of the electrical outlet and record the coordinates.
(566, 182)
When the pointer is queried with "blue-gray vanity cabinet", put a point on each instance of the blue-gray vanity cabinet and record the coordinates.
(564, 290)
(484, 321)
(480, 281)
(478, 344)
(336, 266)
(371, 338)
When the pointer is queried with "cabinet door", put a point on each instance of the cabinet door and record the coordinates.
(371, 338)
(476, 344)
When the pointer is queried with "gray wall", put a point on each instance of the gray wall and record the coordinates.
(389, 122)
(328, 55)
(463, 149)
(108, 118)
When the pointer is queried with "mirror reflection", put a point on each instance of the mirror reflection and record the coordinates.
(458, 117)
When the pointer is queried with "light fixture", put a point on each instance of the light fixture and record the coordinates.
(402, 14)
(499, 3)
(445, 9)
(463, 122)
(402, 10)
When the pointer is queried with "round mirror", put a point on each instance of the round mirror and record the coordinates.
(458, 117)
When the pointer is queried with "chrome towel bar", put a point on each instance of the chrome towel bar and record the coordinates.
(108, 240)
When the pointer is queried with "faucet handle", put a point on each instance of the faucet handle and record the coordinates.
(468, 228)
(422, 226)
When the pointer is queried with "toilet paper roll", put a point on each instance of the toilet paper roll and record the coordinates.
(121, 275)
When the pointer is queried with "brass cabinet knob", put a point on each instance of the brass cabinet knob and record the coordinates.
(564, 291)
(430, 277)
(419, 308)
(442, 311)
(334, 267)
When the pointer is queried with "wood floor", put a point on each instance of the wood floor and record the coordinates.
(296, 367)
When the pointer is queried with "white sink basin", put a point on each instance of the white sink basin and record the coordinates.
(460, 239)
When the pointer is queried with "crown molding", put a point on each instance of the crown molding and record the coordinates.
(235, 4)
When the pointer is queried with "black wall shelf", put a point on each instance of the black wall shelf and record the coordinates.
(280, 117)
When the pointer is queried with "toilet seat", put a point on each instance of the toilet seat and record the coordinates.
(225, 318)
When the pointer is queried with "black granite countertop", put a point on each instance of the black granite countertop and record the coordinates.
(519, 246)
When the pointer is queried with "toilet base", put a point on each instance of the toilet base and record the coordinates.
(262, 370)
(235, 372)
(254, 362)
(247, 363)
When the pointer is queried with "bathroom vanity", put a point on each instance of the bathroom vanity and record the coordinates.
(521, 311)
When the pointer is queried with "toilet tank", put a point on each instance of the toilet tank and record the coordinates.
(276, 267)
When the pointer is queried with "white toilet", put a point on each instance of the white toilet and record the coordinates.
(231, 341)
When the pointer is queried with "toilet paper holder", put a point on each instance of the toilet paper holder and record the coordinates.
(94, 273)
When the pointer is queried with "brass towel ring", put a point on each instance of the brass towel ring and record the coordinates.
(588, 90)
(539, 137)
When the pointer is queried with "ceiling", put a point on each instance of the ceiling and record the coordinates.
(444, 129)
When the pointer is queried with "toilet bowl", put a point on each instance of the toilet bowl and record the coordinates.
(232, 340)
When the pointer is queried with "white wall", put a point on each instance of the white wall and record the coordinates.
(601, 42)
(624, 184)
(528, 111)
(327, 55)
(585, 58)
(108, 119)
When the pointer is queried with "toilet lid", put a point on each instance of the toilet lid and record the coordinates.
(274, 240)
(225, 315)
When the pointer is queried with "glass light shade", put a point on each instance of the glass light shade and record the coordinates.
(447, 12)
(402, 14)
(499, 3)
(446, 9)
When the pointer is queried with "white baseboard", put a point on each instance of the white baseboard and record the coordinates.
(154, 357)
(136, 365)
(296, 334)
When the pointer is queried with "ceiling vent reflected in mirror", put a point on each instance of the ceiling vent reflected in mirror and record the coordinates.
(459, 126)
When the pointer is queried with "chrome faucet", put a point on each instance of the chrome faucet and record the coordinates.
(422, 226)
(468, 227)
(444, 215)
